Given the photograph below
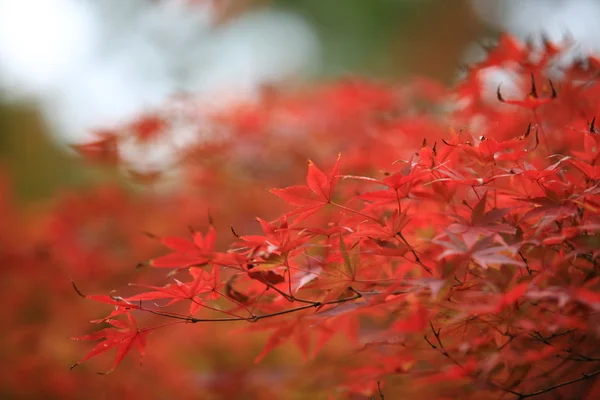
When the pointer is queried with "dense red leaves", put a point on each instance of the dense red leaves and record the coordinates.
(461, 248)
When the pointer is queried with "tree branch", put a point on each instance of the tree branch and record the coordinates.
(583, 377)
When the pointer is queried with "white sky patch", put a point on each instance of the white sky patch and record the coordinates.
(507, 79)
(41, 42)
(92, 64)
(557, 19)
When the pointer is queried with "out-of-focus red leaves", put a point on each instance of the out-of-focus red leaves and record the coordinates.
(414, 323)
(104, 150)
(147, 128)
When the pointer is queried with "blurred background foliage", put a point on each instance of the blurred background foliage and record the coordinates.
(380, 39)
(390, 38)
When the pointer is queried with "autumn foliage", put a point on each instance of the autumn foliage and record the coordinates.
(438, 243)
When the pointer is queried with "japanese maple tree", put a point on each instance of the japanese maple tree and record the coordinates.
(471, 264)
(422, 253)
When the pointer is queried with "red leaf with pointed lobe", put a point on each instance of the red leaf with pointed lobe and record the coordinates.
(124, 336)
(202, 283)
(316, 194)
(188, 253)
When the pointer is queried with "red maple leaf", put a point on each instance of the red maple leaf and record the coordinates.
(311, 197)
(277, 239)
(399, 184)
(178, 290)
(484, 251)
(482, 222)
(122, 306)
(196, 252)
(124, 338)
(592, 172)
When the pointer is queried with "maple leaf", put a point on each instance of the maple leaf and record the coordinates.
(187, 253)
(277, 239)
(490, 150)
(343, 268)
(122, 306)
(178, 290)
(406, 178)
(197, 252)
(303, 278)
(591, 145)
(592, 172)
(508, 150)
(554, 206)
(483, 251)
(311, 197)
(530, 172)
(124, 336)
(400, 184)
(391, 228)
(482, 222)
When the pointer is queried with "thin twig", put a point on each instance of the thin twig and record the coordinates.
(252, 318)
(550, 388)
(379, 390)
